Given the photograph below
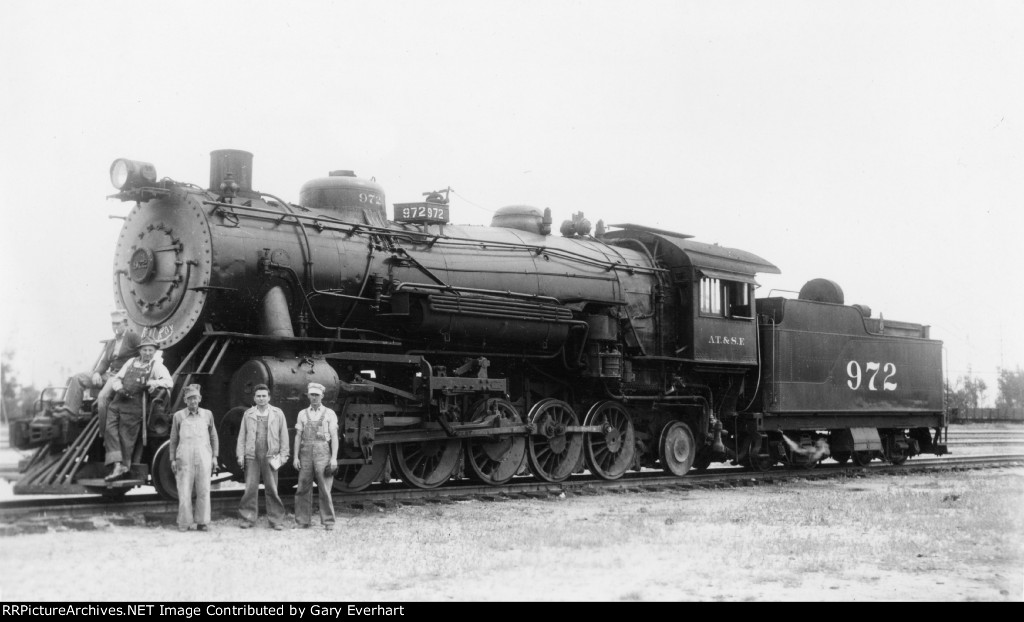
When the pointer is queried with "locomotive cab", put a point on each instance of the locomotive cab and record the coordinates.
(712, 305)
(724, 329)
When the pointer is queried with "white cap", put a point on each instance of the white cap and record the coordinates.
(315, 387)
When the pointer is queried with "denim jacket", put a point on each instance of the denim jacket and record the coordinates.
(277, 434)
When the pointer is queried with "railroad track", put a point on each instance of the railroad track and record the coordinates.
(958, 436)
(225, 502)
(1014, 434)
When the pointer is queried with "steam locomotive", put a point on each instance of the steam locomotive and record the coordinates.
(470, 351)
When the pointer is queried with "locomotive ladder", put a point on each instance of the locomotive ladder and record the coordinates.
(212, 346)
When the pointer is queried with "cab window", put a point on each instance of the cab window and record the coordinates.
(724, 298)
(710, 296)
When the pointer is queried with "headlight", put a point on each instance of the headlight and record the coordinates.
(130, 174)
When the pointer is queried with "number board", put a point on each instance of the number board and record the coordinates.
(421, 212)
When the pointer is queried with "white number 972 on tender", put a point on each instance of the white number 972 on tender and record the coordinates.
(871, 371)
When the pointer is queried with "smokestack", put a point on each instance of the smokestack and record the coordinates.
(234, 161)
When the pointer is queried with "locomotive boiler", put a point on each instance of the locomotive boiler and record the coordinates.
(483, 351)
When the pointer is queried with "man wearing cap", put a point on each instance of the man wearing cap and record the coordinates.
(262, 439)
(316, 450)
(116, 353)
(194, 445)
(138, 376)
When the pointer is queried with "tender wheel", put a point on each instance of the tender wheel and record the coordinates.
(841, 457)
(552, 452)
(356, 477)
(677, 449)
(161, 474)
(495, 461)
(891, 450)
(863, 458)
(611, 453)
(426, 464)
(896, 456)
(754, 460)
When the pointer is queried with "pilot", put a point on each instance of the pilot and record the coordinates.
(141, 375)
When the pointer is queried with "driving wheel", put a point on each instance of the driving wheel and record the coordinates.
(495, 460)
(552, 451)
(609, 453)
(426, 464)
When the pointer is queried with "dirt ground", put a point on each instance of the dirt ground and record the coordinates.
(934, 537)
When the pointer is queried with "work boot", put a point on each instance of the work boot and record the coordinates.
(119, 470)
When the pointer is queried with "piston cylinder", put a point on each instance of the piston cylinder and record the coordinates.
(287, 379)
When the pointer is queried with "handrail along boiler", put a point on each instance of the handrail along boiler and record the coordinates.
(471, 351)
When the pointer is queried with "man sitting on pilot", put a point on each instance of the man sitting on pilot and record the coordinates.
(116, 353)
(141, 376)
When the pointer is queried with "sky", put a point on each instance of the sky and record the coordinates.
(876, 144)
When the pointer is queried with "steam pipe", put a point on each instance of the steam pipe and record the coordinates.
(362, 288)
(275, 319)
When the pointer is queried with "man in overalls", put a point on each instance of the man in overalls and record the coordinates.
(262, 447)
(194, 445)
(124, 415)
(316, 450)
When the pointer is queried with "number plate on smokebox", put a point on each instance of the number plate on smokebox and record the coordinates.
(421, 212)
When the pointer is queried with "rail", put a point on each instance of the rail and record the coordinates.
(225, 502)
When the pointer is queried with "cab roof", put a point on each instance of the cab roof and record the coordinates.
(679, 252)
